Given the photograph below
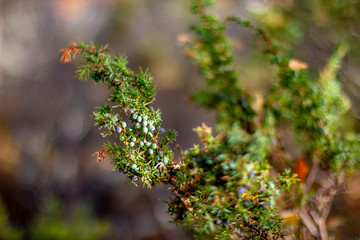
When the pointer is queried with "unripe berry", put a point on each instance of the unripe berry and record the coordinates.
(147, 144)
(131, 144)
(165, 160)
(162, 130)
(133, 139)
(226, 167)
(153, 146)
(137, 125)
(248, 167)
(150, 151)
(145, 129)
(134, 116)
(146, 117)
(151, 108)
(161, 153)
(271, 202)
(139, 119)
(145, 123)
(151, 128)
(123, 124)
(276, 192)
(118, 129)
(134, 166)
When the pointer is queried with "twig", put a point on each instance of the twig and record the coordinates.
(309, 223)
(312, 176)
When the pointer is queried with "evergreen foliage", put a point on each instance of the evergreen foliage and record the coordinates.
(232, 186)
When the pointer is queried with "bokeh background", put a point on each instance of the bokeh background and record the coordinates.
(51, 186)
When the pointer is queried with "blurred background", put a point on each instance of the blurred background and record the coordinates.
(51, 186)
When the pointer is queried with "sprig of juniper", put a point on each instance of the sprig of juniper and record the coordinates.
(142, 146)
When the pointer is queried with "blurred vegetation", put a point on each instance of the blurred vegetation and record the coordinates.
(6, 230)
(53, 223)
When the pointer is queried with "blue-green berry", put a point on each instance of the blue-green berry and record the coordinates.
(145, 129)
(147, 144)
(226, 167)
(153, 146)
(137, 125)
(151, 108)
(145, 123)
(165, 160)
(134, 116)
(134, 166)
(118, 129)
(276, 192)
(151, 128)
(123, 124)
(141, 144)
(248, 167)
(139, 119)
(146, 117)
(161, 153)
(131, 144)
(233, 165)
(133, 139)
(162, 130)
(150, 151)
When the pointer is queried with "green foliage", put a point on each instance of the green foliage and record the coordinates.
(6, 230)
(52, 224)
(228, 187)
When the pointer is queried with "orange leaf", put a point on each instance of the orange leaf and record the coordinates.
(301, 169)
(101, 155)
(297, 65)
(66, 55)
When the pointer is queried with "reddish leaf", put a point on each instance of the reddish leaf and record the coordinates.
(301, 169)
